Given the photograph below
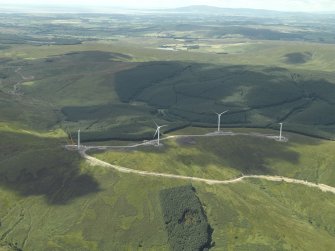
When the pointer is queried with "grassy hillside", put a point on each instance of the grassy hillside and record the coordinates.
(107, 95)
(111, 76)
(256, 97)
(269, 216)
(229, 156)
(52, 199)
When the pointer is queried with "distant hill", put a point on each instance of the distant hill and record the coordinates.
(206, 9)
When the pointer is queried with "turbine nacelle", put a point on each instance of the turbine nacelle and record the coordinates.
(158, 129)
(219, 114)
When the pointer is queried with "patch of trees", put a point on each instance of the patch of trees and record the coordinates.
(185, 219)
(113, 134)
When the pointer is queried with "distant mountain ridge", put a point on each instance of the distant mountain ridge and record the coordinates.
(207, 9)
(192, 9)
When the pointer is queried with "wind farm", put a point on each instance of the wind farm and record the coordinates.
(193, 128)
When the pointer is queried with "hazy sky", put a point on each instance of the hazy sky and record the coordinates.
(286, 5)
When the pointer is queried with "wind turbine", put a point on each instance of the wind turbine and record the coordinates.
(158, 132)
(219, 119)
(280, 131)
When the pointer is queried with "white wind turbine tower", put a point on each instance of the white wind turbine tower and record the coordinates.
(281, 132)
(78, 139)
(219, 119)
(158, 132)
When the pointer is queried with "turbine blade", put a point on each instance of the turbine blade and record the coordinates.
(155, 123)
(224, 112)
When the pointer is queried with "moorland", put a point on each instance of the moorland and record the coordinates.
(112, 74)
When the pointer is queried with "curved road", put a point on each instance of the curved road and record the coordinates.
(95, 161)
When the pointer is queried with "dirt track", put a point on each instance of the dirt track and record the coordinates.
(97, 162)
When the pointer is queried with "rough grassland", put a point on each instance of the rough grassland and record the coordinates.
(99, 209)
(50, 199)
(109, 93)
(269, 216)
(229, 156)
(257, 54)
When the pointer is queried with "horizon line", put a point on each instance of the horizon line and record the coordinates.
(94, 8)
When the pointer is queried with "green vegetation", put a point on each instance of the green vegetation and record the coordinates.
(126, 96)
(51, 199)
(227, 157)
(108, 76)
(9, 247)
(298, 58)
(35, 165)
(109, 87)
(99, 209)
(259, 215)
(255, 97)
(185, 220)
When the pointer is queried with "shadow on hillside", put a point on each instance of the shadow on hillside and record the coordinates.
(35, 166)
(297, 57)
(246, 154)
(254, 96)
